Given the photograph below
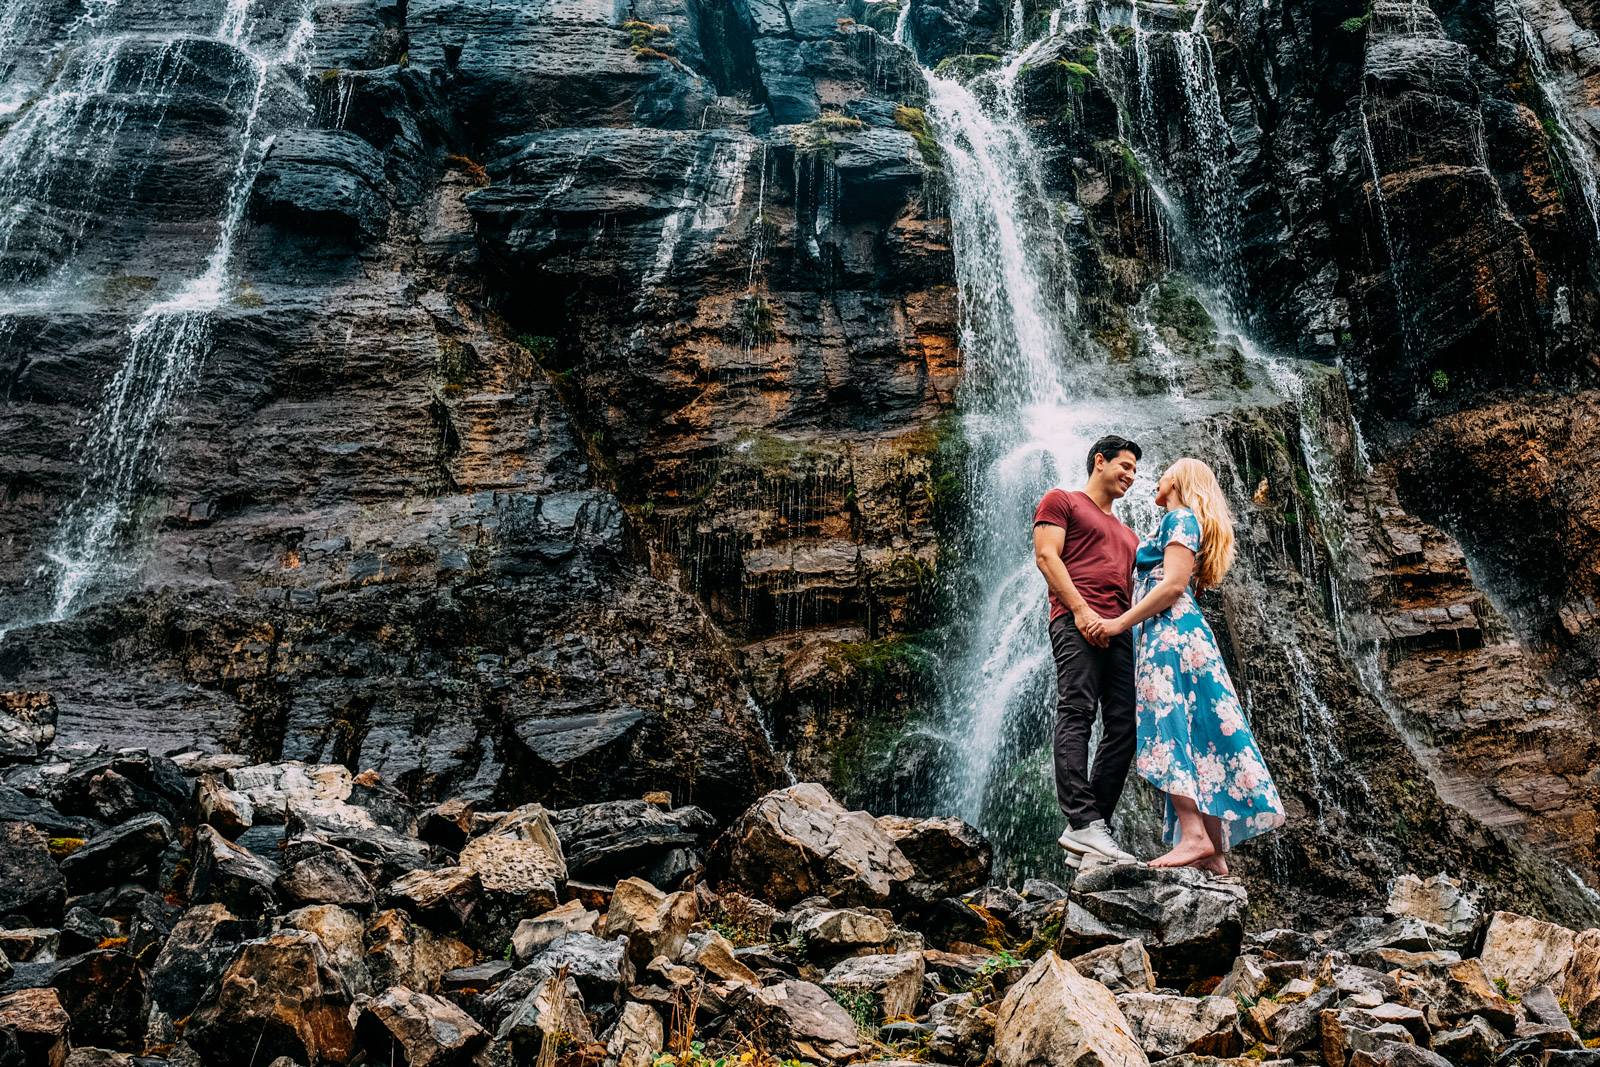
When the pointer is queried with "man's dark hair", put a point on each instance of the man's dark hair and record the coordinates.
(1111, 446)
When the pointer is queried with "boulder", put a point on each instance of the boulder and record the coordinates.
(27, 724)
(1522, 953)
(270, 787)
(963, 1028)
(600, 967)
(798, 842)
(553, 1006)
(1122, 968)
(518, 863)
(130, 852)
(401, 952)
(655, 923)
(38, 1026)
(1351, 1031)
(343, 938)
(1440, 902)
(384, 853)
(317, 872)
(131, 783)
(948, 855)
(807, 1023)
(843, 930)
(1473, 1044)
(195, 954)
(447, 824)
(893, 981)
(1056, 1016)
(1247, 978)
(532, 935)
(105, 992)
(17, 806)
(475, 979)
(32, 888)
(1189, 922)
(404, 1026)
(612, 840)
(636, 1038)
(225, 873)
(1457, 991)
(227, 810)
(280, 996)
(714, 954)
(1582, 985)
(1167, 1025)
(1546, 1019)
(445, 897)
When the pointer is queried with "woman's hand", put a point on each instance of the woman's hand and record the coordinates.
(1118, 625)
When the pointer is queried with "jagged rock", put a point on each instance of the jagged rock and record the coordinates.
(32, 889)
(553, 1006)
(38, 1026)
(1546, 1020)
(843, 929)
(1369, 934)
(1524, 953)
(316, 872)
(892, 980)
(1054, 1015)
(23, 943)
(1299, 1026)
(399, 952)
(655, 923)
(1171, 1025)
(1582, 985)
(130, 852)
(1121, 968)
(714, 954)
(27, 724)
(806, 1022)
(963, 1028)
(384, 853)
(475, 979)
(281, 996)
(1473, 1044)
(404, 1026)
(444, 897)
(17, 806)
(448, 823)
(636, 1038)
(615, 839)
(600, 967)
(119, 787)
(270, 787)
(1348, 1032)
(532, 935)
(1247, 979)
(798, 842)
(1438, 901)
(949, 856)
(105, 992)
(194, 955)
(344, 939)
(954, 969)
(226, 809)
(1190, 923)
(225, 873)
(518, 862)
(81, 930)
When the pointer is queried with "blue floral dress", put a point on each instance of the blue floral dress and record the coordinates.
(1193, 737)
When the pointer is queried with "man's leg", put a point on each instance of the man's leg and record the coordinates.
(1118, 727)
(1078, 666)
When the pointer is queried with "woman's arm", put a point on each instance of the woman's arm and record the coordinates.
(1177, 564)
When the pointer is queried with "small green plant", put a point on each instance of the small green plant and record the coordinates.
(1356, 24)
(861, 1006)
(832, 121)
(1439, 382)
(1130, 162)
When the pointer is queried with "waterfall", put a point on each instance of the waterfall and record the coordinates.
(1574, 150)
(165, 348)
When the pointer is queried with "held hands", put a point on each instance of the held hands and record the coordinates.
(1098, 630)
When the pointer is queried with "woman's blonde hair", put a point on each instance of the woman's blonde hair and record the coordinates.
(1200, 492)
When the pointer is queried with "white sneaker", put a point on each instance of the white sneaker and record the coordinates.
(1094, 839)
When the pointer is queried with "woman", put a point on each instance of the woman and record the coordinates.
(1194, 743)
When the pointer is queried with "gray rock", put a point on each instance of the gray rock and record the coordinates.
(316, 872)
(1190, 923)
(892, 980)
(532, 935)
(1166, 1025)
(806, 1022)
(33, 888)
(224, 873)
(636, 1038)
(654, 923)
(1056, 1016)
(226, 809)
(1473, 1044)
(445, 897)
(194, 955)
(27, 724)
(1121, 968)
(327, 182)
(402, 1025)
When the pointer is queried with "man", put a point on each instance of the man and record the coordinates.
(1086, 556)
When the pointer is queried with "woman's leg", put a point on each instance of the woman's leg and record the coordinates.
(1193, 841)
(1216, 864)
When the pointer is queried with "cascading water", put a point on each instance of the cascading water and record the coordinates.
(1575, 150)
(170, 338)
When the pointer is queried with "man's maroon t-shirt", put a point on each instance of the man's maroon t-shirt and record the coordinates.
(1098, 552)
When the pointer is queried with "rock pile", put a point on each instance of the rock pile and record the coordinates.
(200, 910)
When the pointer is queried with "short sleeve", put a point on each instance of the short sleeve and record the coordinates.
(1054, 510)
(1181, 528)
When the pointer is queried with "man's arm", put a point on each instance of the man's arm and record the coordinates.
(1048, 540)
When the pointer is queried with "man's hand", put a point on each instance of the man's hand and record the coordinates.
(1091, 626)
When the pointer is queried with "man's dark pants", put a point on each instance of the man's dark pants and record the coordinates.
(1088, 675)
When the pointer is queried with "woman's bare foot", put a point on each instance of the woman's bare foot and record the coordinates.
(1215, 864)
(1186, 853)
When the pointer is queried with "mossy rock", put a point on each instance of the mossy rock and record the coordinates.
(962, 67)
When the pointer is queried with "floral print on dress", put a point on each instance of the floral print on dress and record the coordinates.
(1194, 739)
